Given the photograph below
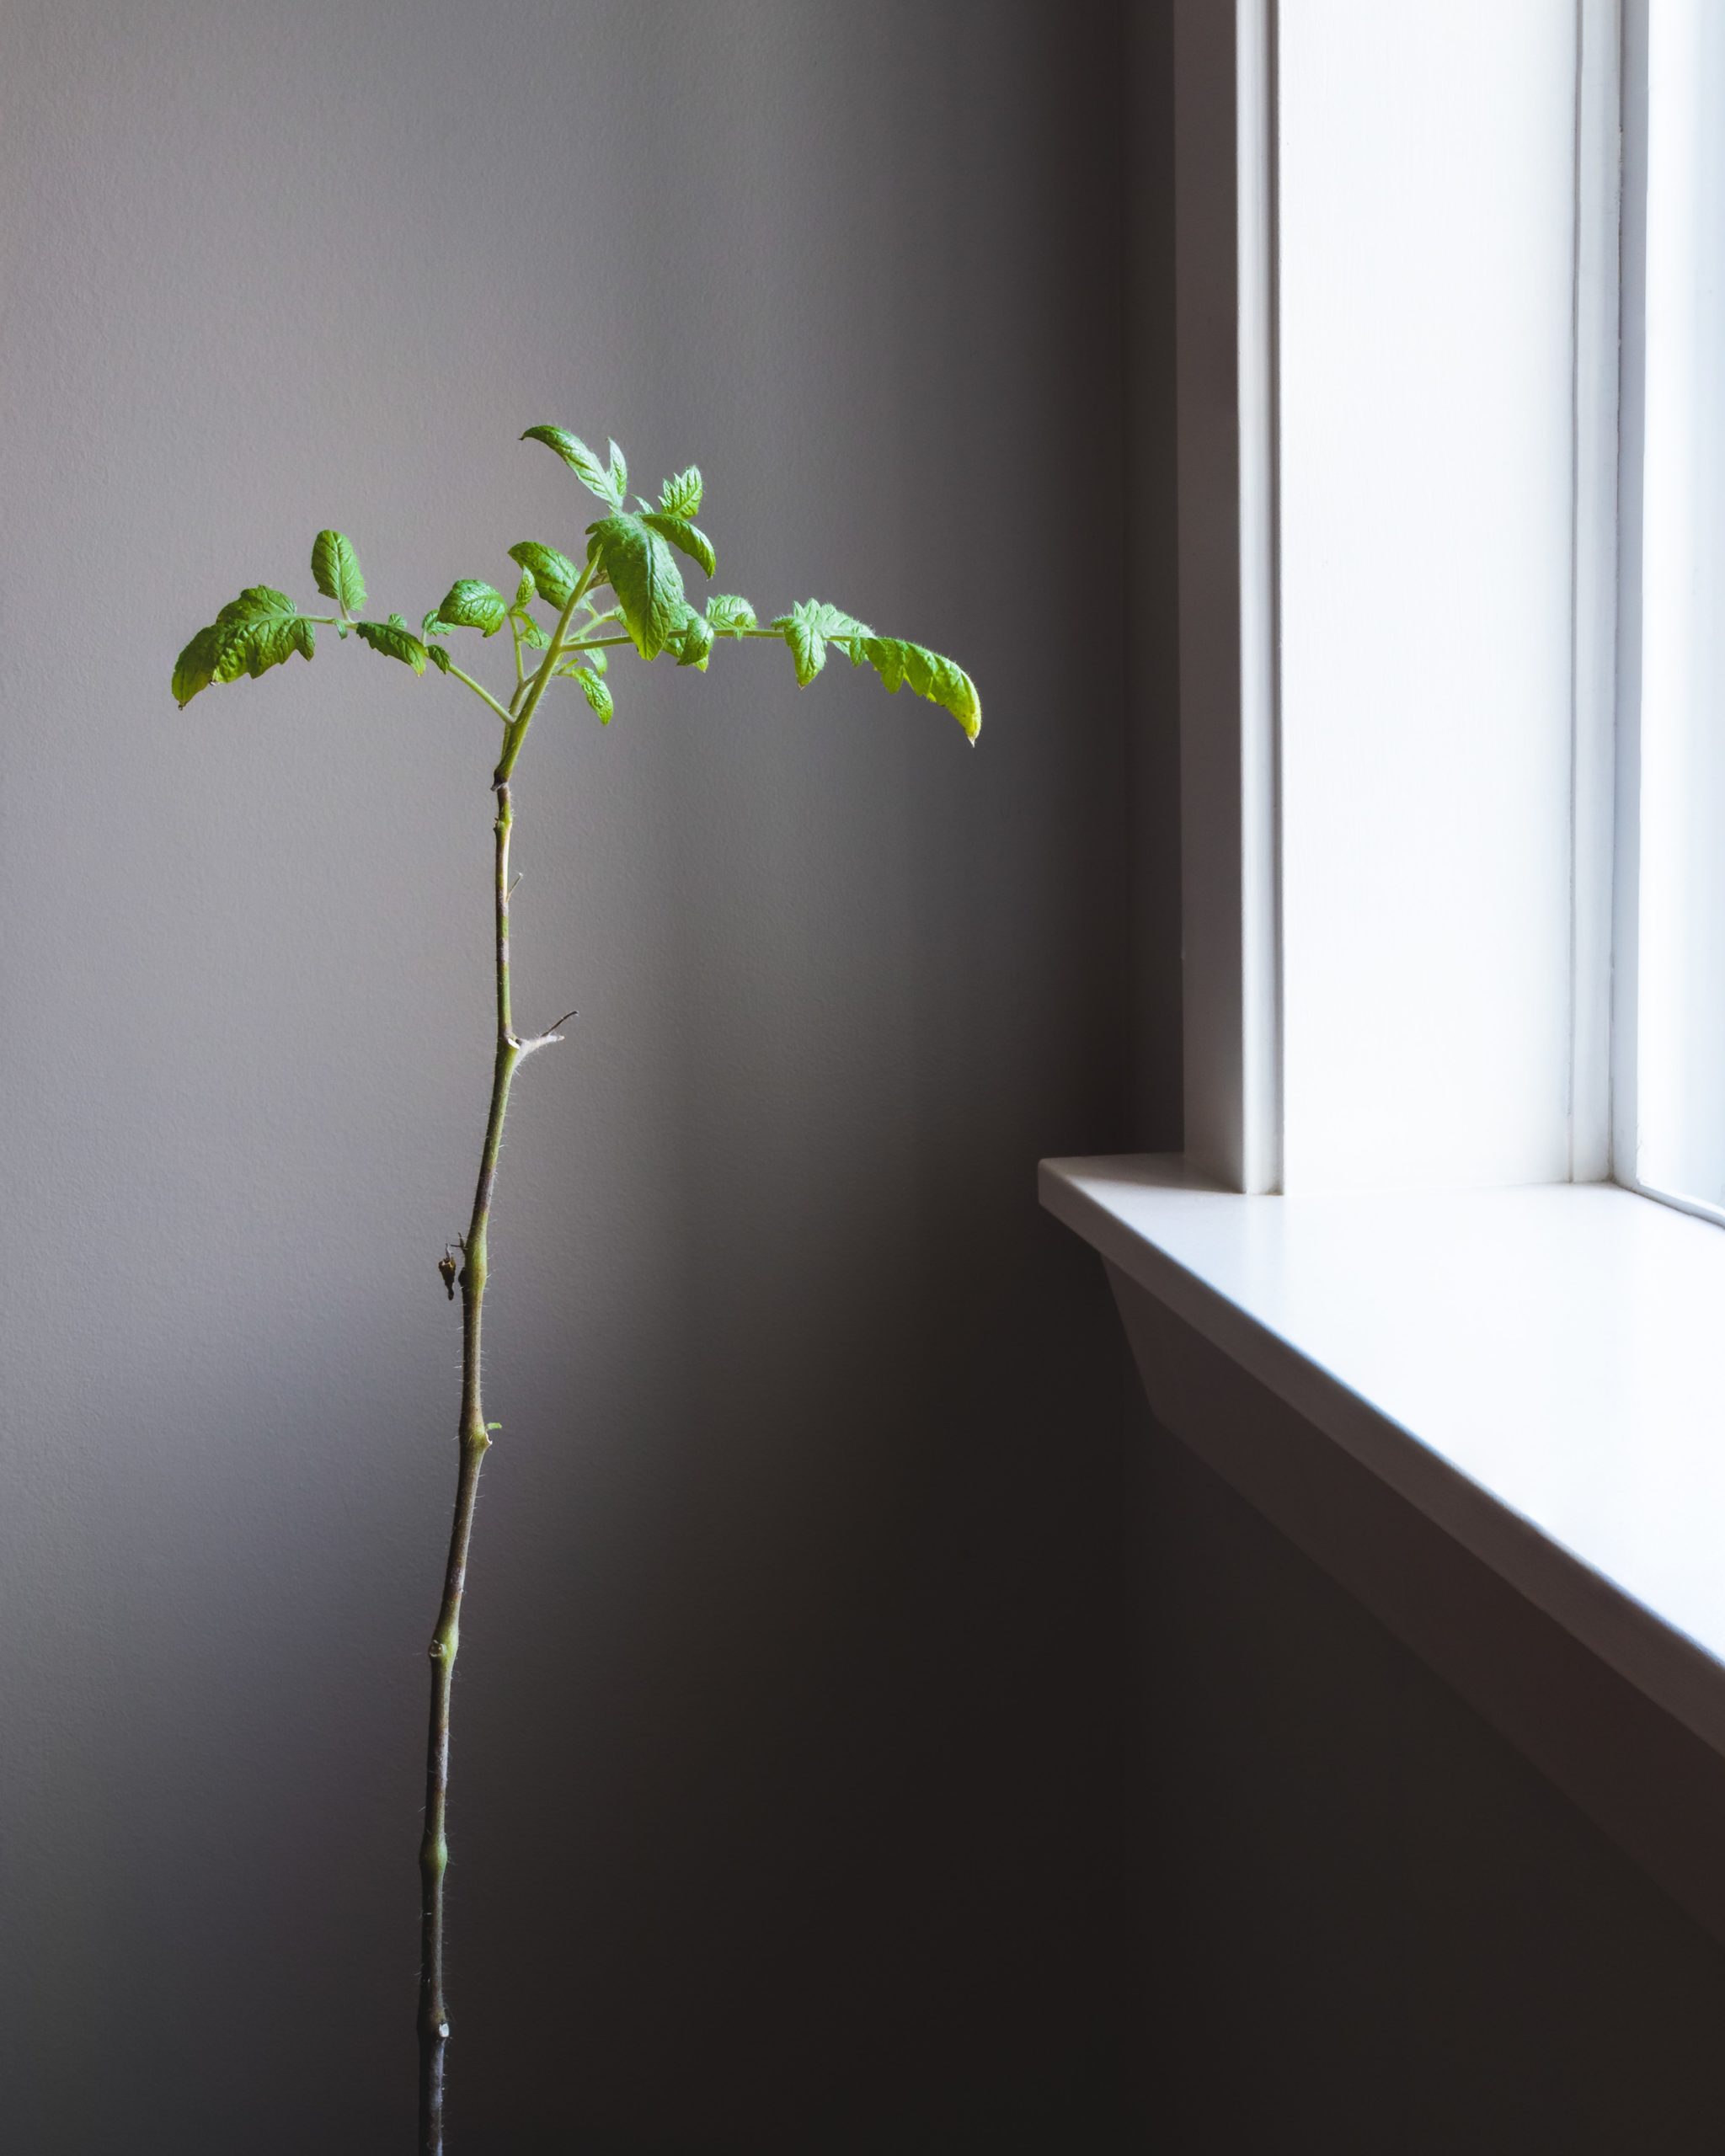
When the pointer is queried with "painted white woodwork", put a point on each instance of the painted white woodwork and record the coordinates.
(1396, 284)
(1672, 1015)
(1534, 1370)
(1225, 326)
(1490, 1415)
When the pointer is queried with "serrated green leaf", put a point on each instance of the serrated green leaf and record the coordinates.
(195, 667)
(808, 648)
(581, 461)
(941, 680)
(695, 645)
(729, 615)
(395, 640)
(258, 602)
(681, 496)
(806, 629)
(597, 694)
(254, 648)
(554, 575)
(431, 626)
(260, 629)
(637, 565)
(525, 592)
(335, 570)
(439, 657)
(687, 538)
(825, 619)
(618, 475)
(471, 605)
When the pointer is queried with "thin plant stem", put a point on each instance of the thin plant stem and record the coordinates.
(522, 718)
(473, 1442)
(484, 694)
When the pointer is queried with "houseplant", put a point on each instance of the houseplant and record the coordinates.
(630, 556)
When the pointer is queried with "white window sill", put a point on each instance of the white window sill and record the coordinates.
(1532, 1379)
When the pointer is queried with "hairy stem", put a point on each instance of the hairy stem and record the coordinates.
(473, 1443)
(523, 706)
(483, 693)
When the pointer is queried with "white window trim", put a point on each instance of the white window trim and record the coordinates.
(1232, 758)
(1550, 1424)
(1596, 808)
(1632, 488)
(1626, 844)
(1230, 781)
(1491, 1416)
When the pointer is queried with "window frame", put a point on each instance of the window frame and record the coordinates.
(1628, 1030)
(1230, 292)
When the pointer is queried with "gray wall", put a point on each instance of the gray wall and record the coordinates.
(793, 1766)
(1375, 1927)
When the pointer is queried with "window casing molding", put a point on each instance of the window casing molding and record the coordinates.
(1226, 377)
(1669, 1061)
(1490, 1413)
(1397, 286)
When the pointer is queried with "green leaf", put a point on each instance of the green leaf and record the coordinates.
(255, 647)
(554, 575)
(525, 592)
(685, 537)
(195, 667)
(431, 626)
(826, 619)
(471, 605)
(806, 629)
(395, 640)
(597, 694)
(258, 602)
(941, 680)
(439, 657)
(260, 629)
(681, 496)
(531, 633)
(727, 615)
(335, 570)
(695, 645)
(581, 461)
(618, 475)
(637, 565)
(808, 648)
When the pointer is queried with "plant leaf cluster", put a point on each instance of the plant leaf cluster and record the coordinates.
(632, 554)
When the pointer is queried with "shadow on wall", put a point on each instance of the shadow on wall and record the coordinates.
(794, 1804)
